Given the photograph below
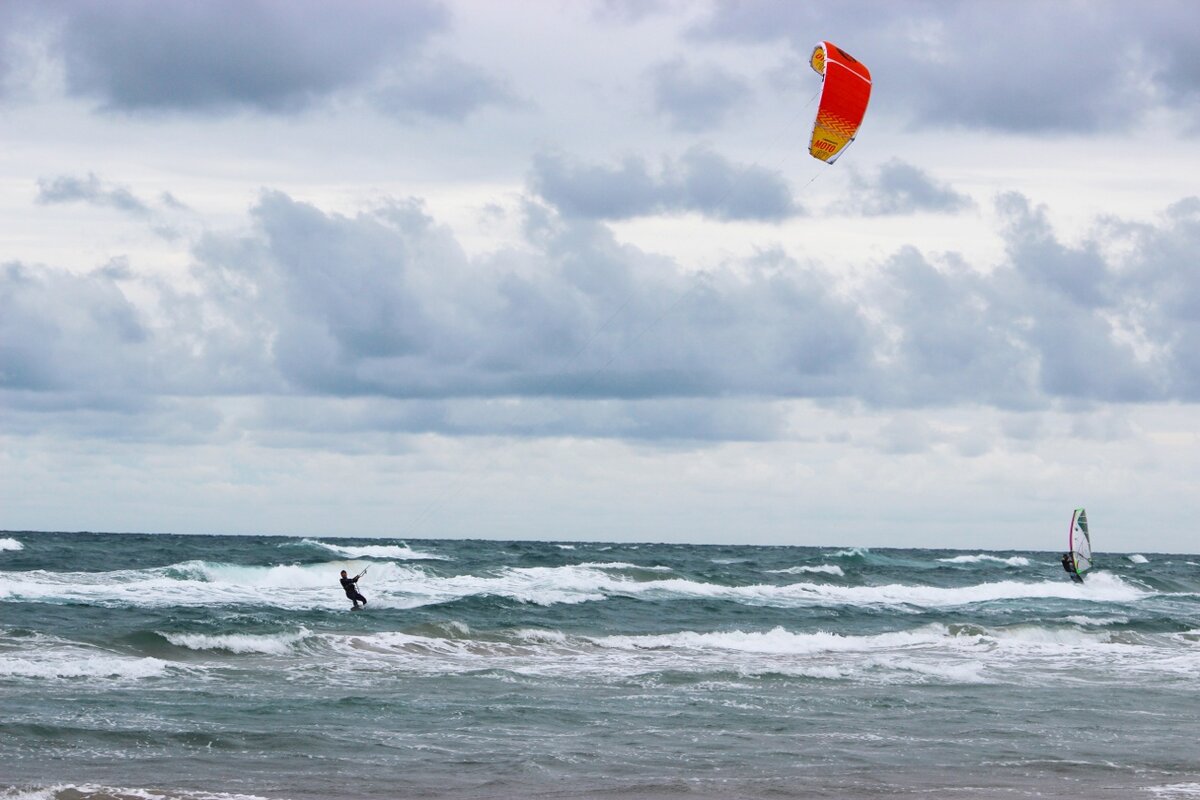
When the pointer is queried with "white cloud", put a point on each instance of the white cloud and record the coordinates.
(533, 252)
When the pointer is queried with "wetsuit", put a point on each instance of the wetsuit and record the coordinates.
(1069, 565)
(351, 587)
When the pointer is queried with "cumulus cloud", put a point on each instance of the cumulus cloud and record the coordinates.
(64, 333)
(269, 55)
(901, 188)
(701, 181)
(696, 97)
(1077, 69)
(577, 333)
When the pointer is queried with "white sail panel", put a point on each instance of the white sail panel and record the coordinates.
(1081, 541)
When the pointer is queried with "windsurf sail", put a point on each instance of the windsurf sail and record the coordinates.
(1080, 543)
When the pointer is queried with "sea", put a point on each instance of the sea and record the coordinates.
(222, 667)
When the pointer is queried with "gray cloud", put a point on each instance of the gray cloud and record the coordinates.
(696, 97)
(95, 346)
(1076, 69)
(901, 188)
(91, 190)
(270, 55)
(387, 303)
(629, 11)
(576, 333)
(700, 181)
(443, 89)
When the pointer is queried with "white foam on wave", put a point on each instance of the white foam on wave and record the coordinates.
(776, 641)
(565, 546)
(388, 585)
(240, 643)
(9, 543)
(933, 652)
(78, 662)
(1138, 559)
(202, 583)
(87, 791)
(623, 565)
(1175, 790)
(542, 652)
(826, 569)
(1013, 561)
(401, 552)
(850, 552)
(1086, 621)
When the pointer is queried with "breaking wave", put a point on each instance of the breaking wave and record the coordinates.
(388, 585)
(401, 552)
(1014, 561)
(240, 643)
(826, 569)
(9, 543)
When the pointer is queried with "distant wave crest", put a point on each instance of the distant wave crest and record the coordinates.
(10, 543)
(400, 551)
(826, 569)
(1014, 561)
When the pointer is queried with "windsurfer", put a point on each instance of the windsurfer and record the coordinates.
(1068, 563)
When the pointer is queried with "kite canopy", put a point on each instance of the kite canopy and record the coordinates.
(844, 95)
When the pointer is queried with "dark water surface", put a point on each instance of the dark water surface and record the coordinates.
(216, 667)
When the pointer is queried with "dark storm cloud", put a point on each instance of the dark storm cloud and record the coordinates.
(700, 181)
(443, 89)
(272, 55)
(901, 188)
(695, 97)
(1058, 67)
(91, 190)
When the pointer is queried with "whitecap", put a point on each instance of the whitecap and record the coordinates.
(623, 565)
(9, 543)
(850, 552)
(1175, 790)
(1014, 561)
(87, 790)
(400, 551)
(240, 643)
(1138, 559)
(74, 663)
(826, 569)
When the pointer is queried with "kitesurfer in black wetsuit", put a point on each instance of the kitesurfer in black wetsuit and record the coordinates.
(351, 587)
(1069, 565)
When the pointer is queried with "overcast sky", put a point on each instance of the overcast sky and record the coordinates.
(562, 270)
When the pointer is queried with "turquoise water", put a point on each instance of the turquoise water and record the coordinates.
(216, 667)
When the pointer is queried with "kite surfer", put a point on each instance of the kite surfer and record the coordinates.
(351, 587)
(1068, 563)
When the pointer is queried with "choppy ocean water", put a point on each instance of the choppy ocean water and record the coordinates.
(218, 667)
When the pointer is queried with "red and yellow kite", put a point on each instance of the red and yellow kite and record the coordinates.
(844, 94)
